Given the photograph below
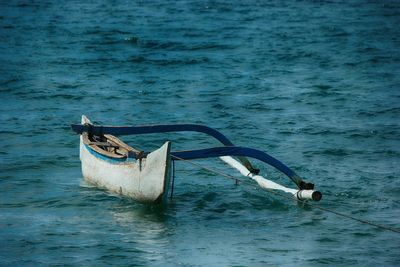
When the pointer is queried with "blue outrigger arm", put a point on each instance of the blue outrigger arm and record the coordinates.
(228, 150)
(241, 151)
(162, 128)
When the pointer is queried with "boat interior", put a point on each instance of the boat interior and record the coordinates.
(111, 146)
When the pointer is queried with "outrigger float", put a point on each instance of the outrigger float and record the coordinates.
(110, 163)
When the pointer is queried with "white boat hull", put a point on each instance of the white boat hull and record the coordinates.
(145, 180)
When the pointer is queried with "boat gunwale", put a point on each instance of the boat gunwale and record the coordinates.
(98, 150)
(108, 159)
(101, 153)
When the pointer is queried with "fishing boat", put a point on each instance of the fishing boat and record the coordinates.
(110, 163)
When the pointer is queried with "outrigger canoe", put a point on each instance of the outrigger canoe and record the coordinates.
(110, 163)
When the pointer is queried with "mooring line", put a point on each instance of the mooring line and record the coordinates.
(209, 169)
(384, 227)
(173, 178)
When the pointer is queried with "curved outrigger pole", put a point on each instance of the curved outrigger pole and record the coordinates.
(228, 150)
(162, 128)
(246, 152)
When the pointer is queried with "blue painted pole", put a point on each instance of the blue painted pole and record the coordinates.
(162, 128)
(239, 151)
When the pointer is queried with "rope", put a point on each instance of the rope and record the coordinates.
(173, 178)
(340, 214)
(209, 169)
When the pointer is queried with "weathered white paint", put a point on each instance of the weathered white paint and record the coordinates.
(265, 183)
(145, 180)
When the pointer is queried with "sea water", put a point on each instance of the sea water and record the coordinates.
(316, 84)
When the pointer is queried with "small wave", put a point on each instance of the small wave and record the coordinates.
(137, 59)
(333, 152)
(175, 46)
(65, 96)
(27, 4)
(256, 106)
(167, 62)
(352, 64)
(323, 86)
(210, 46)
(153, 44)
(334, 261)
(10, 132)
(6, 82)
(394, 111)
(132, 39)
(363, 234)
(322, 91)
(105, 32)
(327, 240)
(69, 86)
(389, 153)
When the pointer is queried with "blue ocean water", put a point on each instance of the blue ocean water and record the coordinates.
(313, 83)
